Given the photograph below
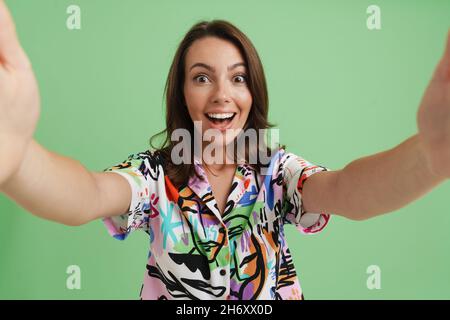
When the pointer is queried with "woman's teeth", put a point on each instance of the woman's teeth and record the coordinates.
(220, 117)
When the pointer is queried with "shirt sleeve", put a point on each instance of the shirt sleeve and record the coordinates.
(134, 170)
(296, 171)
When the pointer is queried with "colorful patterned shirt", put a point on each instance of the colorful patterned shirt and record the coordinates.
(197, 253)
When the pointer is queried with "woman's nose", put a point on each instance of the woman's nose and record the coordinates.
(221, 92)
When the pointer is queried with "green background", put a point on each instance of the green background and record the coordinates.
(338, 92)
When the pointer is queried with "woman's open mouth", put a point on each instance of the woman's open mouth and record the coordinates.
(220, 120)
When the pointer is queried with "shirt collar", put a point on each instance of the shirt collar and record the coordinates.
(203, 189)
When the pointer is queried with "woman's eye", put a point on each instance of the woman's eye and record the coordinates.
(242, 78)
(200, 77)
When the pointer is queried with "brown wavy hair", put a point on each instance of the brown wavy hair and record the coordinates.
(177, 115)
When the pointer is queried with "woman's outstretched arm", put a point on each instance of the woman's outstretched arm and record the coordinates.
(61, 189)
(389, 180)
(373, 185)
(48, 185)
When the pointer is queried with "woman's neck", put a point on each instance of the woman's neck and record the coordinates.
(217, 162)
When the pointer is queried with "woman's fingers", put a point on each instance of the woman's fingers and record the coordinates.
(447, 48)
(11, 53)
(447, 58)
(442, 70)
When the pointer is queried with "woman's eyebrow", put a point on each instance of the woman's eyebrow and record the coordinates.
(212, 69)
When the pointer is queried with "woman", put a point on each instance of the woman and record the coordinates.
(216, 227)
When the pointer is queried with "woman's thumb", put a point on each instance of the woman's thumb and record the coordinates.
(11, 53)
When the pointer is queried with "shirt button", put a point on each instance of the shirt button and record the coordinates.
(223, 272)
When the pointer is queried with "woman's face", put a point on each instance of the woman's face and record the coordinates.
(215, 86)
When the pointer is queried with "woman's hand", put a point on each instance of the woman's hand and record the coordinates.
(19, 98)
(433, 117)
